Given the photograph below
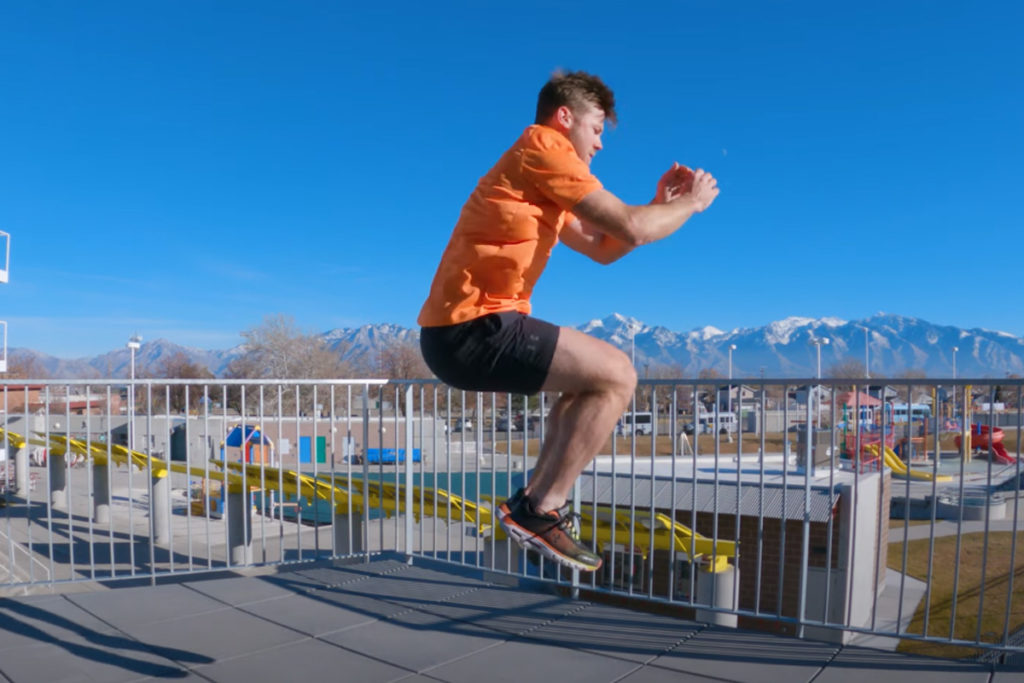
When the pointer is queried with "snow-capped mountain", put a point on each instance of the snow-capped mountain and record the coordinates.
(784, 348)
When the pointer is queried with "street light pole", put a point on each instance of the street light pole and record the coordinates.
(955, 349)
(732, 347)
(134, 342)
(867, 360)
(818, 342)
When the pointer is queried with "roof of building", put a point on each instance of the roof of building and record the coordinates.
(771, 501)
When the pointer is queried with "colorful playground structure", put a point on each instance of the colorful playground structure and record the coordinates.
(989, 440)
(867, 420)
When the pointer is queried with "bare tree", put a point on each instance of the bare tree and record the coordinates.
(708, 393)
(179, 366)
(277, 349)
(24, 366)
(403, 360)
(847, 369)
(1008, 395)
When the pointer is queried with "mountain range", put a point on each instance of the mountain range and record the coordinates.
(785, 348)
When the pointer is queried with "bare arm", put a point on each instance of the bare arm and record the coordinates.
(592, 243)
(631, 226)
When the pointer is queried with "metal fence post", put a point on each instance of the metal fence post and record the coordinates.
(408, 471)
(101, 494)
(58, 480)
(21, 477)
(159, 509)
(238, 527)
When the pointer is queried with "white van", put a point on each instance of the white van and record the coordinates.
(727, 423)
(640, 423)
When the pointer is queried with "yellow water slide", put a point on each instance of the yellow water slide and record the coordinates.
(658, 530)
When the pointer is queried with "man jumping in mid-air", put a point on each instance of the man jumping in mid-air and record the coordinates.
(478, 334)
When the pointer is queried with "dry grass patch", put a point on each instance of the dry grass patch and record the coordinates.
(968, 592)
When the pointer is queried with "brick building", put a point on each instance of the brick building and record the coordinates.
(846, 548)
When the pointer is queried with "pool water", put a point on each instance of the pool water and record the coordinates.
(465, 484)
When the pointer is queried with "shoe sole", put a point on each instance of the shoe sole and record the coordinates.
(528, 539)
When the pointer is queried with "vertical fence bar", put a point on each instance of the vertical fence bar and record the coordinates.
(1011, 574)
(988, 509)
(964, 454)
(760, 499)
(805, 535)
(408, 472)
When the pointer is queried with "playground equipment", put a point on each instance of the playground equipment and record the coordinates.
(869, 439)
(247, 443)
(985, 438)
(899, 468)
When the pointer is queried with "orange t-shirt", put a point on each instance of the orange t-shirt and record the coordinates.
(507, 229)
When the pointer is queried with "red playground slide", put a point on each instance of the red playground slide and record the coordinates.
(1000, 453)
(980, 439)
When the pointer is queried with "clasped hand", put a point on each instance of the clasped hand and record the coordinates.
(679, 181)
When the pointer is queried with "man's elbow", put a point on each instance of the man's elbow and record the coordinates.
(632, 233)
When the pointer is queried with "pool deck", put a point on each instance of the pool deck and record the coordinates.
(388, 620)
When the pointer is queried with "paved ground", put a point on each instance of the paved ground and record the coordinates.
(388, 621)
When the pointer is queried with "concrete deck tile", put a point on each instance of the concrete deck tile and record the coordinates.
(408, 590)
(653, 674)
(412, 573)
(240, 590)
(311, 579)
(616, 632)
(518, 661)
(508, 610)
(748, 656)
(400, 622)
(78, 660)
(129, 608)
(313, 616)
(345, 597)
(306, 660)
(31, 621)
(346, 571)
(854, 664)
(217, 635)
(416, 640)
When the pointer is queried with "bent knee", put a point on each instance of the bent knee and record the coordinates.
(623, 375)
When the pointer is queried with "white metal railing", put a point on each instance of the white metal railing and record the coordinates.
(865, 525)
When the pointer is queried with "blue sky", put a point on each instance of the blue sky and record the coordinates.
(183, 169)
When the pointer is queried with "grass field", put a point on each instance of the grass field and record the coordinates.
(997, 581)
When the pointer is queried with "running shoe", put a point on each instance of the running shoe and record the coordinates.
(554, 534)
(506, 508)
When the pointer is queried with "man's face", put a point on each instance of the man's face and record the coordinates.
(585, 129)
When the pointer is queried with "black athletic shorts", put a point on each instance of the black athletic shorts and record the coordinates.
(507, 352)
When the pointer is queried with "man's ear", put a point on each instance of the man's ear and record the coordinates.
(564, 117)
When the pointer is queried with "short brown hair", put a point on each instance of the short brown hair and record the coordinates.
(574, 89)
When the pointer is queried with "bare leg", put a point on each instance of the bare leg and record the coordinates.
(597, 381)
(554, 436)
